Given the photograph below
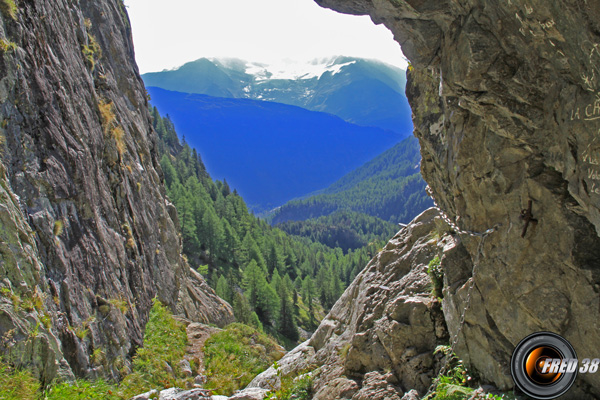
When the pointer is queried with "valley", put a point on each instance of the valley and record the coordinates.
(137, 264)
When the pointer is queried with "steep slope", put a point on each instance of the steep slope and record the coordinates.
(505, 100)
(343, 229)
(270, 152)
(361, 91)
(90, 237)
(256, 267)
(389, 187)
(379, 339)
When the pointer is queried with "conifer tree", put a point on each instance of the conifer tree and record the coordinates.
(241, 308)
(308, 294)
(255, 321)
(223, 290)
(286, 323)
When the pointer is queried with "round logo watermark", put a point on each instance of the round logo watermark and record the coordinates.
(544, 365)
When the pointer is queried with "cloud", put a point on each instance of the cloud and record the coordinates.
(168, 34)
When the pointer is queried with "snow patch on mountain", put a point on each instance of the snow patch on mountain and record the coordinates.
(286, 69)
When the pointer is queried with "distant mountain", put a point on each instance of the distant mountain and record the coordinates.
(270, 152)
(364, 92)
(389, 187)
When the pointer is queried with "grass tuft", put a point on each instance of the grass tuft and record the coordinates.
(92, 52)
(6, 46)
(234, 356)
(111, 129)
(9, 8)
(83, 390)
(119, 304)
(17, 384)
(59, 227)
(165, 342)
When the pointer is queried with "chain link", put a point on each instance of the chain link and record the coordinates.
(453, 224)
(471, 282)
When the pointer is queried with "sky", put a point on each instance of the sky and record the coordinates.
(167, 34)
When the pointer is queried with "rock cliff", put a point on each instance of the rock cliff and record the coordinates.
(506, 105)
(379, 339)
(88, 237)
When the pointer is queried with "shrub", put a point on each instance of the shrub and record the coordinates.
(234, 356)
(297, 387)
(436, 273)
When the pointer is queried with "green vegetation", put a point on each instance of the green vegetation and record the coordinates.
(7, 46)
(456, 383)
(345, 229)
(298, 387)
(165, 341)
(9, 8)
(255, 267)
(234, 356)
(436, 273)
(83, 390)
(119, 304)
(453, 384)
(17, 384)
(92, 52)
(389, 187)
(123, 13)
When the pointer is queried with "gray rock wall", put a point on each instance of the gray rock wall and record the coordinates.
(88, 229)
(506, 105)
(378, 340)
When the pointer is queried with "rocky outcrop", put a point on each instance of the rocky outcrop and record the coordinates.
(505, 98)
(379, 339)
(89, 237)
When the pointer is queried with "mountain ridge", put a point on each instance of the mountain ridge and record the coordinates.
(389, 187)
(270, 152)
(361, 91)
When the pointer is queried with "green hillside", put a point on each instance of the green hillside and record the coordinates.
(273, 280)
(344, 229)
(389, 187)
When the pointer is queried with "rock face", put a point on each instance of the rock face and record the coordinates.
(379, 338)
(506, 105)
(88, 236)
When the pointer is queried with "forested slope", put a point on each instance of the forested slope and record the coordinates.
(389, 187)
(271, 278)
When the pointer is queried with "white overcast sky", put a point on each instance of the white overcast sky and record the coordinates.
(169, 33)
